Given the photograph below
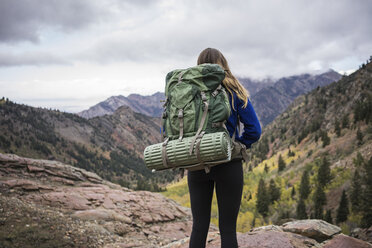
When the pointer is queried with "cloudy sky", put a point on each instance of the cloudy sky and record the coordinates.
(72, 54)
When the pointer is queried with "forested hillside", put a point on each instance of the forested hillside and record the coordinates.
(313, 161)
(111, 145)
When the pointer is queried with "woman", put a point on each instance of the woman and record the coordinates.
(227, 177)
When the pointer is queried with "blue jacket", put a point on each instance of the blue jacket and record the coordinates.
(247, 116)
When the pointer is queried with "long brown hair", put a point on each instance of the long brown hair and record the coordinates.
(213, 56)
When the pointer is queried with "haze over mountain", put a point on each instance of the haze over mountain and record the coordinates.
(269, 97)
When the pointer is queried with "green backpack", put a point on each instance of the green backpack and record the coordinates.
(193, 122)
(195, 103)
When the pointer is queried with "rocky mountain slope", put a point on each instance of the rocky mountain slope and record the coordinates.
(254, 85)
(51, 204)
(270, 101)
(147, 105)
(328, 127)
(111, 146)
(269, 97)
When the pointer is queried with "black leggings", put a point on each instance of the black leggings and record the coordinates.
(228, 179)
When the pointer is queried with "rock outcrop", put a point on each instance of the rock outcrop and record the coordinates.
(60, 203)
(315, 229)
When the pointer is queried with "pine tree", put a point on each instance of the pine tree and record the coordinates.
(324, 172)
(281, 163)
(262, 203)
(325, 138)
(266, 169)
(305, 185)
(337, 128)
(319, 201)
(359, 136)
(328, 216)
(312, 216)
(274, 191)
(293, 192)
(343, 208)
(345, 121)
(253, 224)
(263, 148)
(367, 195)
(301, 210)
(358, 161)
(356, 189)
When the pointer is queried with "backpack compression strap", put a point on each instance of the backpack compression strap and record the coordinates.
(164, 153)
(207, 168)
(180, 111)
(204, 117)
(180, 118)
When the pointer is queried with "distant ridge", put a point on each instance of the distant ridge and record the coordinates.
(269, 97)
(147, 105)
(271, 101)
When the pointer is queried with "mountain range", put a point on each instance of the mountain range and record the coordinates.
(112, 144)
(269, 97)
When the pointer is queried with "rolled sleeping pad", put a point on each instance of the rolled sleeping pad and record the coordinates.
(214, 148)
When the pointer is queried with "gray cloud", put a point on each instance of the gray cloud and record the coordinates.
(24, 20)
(30, 58)
(267, 38)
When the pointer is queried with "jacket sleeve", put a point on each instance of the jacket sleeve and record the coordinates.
(252, 127)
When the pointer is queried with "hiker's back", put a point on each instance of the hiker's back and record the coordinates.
(193, 129)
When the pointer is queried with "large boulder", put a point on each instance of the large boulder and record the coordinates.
(363, 234)
(315, 229)
(270, 239)
(344, 241)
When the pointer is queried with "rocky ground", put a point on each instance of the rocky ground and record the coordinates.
(295, 234)
(50, 204)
